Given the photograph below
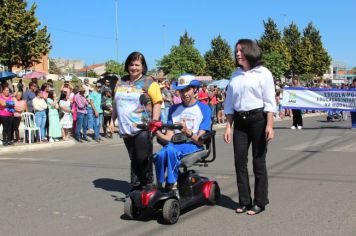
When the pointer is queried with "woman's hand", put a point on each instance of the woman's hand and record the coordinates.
(227, 134)
(269, 133)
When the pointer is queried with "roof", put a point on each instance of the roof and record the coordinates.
(92, 67)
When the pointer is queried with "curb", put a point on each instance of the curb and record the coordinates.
(36, 147)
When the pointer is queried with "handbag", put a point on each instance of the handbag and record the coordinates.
(179, 138)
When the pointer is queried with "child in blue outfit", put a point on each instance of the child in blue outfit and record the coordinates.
(195, 119)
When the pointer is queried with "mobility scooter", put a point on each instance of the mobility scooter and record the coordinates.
(192, 188)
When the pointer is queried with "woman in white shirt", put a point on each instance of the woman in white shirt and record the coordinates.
(249, 105)
(39, 107)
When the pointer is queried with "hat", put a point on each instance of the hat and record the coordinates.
(98, 84)
(186, 80)
(86, 79)
(81, 89)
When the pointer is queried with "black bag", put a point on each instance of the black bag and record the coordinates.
(179, 138)
(61, 113)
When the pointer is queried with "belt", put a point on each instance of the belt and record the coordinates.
(244, 114)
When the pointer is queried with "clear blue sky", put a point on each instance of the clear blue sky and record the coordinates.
(86, 29)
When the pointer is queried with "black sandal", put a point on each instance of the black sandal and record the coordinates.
(242, 209)
(256, 209)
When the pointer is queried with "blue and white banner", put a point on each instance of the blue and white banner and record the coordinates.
(319, 99)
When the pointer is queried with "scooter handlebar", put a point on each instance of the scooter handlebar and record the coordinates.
(168, 126)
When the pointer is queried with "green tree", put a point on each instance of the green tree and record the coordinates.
(219, 60)
(275, 63)
(305, 59)
(92, 74)
(53, 68)
(186, 40)
(184, 58)
(292, 40)
(23, 42)
(115, 67)
(271, 43)
(320, 59)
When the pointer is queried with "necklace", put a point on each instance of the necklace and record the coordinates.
(133, 82)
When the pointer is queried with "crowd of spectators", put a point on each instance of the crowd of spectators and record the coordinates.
(85, 111)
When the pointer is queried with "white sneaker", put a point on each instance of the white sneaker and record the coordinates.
(293, 127)
(300, 127)
(51, 140)
(56, 140)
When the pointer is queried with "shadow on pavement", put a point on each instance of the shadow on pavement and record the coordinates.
(227, 202)
(113, 185)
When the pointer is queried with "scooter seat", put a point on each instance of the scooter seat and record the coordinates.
(190, 159)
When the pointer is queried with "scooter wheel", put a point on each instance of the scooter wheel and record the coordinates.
(214, 194)
(130, 210)
(171, 211)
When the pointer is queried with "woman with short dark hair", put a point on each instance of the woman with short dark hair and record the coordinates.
(129, 112)
(250, 105)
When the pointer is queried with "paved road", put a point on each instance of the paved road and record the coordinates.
(78, 190)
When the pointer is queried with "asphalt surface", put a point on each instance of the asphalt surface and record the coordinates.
(78, 189)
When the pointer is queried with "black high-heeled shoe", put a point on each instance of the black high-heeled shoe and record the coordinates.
(255, 210)
(242, 208)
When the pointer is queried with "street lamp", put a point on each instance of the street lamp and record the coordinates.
(164, 39)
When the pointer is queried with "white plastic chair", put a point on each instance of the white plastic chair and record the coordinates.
(29, 125)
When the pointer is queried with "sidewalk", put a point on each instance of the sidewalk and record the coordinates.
(25, 147)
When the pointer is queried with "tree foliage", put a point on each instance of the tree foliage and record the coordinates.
(275, 63)
(184, 58)
(273, 47)
(53, 68)
(292, 40)
(186, 40)
(92, 74)
(115, 67)
(305, 56)
(23, 42)
(219, 60)
(320, 61)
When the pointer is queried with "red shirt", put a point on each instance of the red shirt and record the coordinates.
(203, 97)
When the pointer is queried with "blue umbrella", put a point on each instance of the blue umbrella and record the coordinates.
(5, 75)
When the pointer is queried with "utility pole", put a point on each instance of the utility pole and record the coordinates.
(164, 39)
(117, 31)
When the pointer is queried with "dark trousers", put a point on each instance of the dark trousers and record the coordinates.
(353, 119)
(247, 130)
(297, 118)
(7, 122)
(140, 149)
(16, 125)
(106, 121)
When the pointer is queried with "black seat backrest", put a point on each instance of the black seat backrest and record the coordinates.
(201, 156)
